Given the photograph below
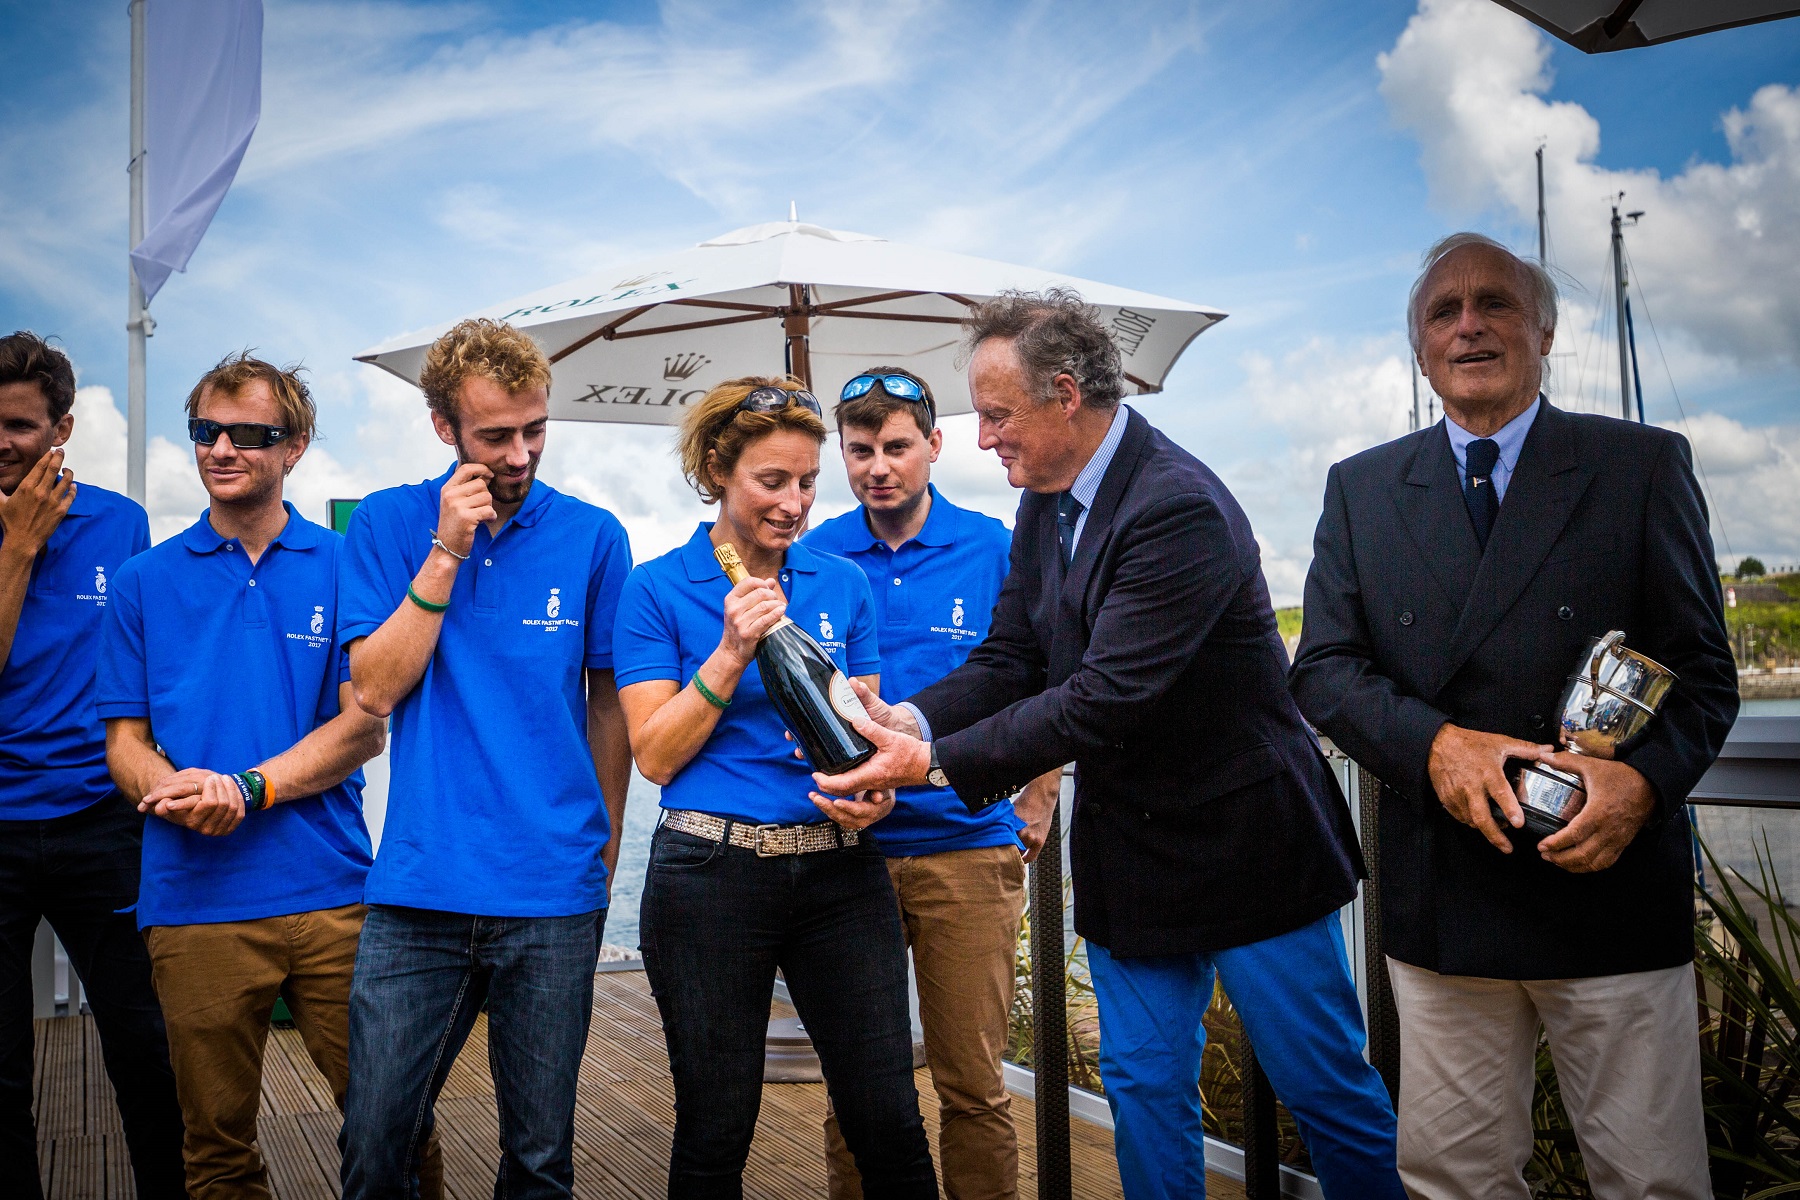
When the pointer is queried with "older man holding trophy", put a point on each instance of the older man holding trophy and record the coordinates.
(1512, 577)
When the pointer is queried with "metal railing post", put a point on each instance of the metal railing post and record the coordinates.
(1049, 1017)
(1262, 1140)
(1384, 1021)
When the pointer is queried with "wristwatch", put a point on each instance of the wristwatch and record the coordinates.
(934, 775)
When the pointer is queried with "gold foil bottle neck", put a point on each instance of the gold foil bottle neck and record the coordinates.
(730, 563)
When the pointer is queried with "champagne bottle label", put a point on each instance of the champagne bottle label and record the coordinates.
(843, 698)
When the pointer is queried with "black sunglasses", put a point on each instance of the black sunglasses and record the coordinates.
(774, 399)
(245, 435)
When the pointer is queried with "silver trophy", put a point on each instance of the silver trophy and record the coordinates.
(1609, 699)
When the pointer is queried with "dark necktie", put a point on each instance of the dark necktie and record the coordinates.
(1478, 486)
(1068, 511)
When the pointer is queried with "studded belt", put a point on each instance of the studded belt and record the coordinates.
(769, 841)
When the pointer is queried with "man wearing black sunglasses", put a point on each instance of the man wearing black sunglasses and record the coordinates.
(231, 721)
(68, 841)
(936, 571)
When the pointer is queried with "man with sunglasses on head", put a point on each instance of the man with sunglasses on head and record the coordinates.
(69, 843)
(936, 571)
(477, 609)
(230, 721)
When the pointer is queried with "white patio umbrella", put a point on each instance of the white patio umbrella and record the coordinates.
(636, 343)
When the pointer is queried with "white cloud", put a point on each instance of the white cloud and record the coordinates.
(1330, 400)
(1752, 477)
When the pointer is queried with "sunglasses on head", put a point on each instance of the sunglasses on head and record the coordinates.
(774, 399)
(245, 435)
(900, 387)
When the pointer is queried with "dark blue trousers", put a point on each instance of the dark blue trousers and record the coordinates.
(718, 921)
(421, 979)
(1298, 1004)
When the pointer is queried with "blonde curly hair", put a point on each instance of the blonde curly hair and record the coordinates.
(480, 348)
(716, 432)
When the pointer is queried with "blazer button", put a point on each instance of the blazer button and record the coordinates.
(1566, 613)
(1406, 618)
(1537, 720)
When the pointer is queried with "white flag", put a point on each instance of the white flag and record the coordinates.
(202, 98)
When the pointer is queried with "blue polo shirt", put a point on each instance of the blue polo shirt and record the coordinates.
(934, 597)
(670, 619)
(233, 663)
(52, 744)
(493, 805)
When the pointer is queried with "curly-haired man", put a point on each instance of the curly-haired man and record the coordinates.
(477, 609)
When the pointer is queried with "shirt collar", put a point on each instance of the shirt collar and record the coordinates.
(1510, 437)
(697, 556)
(298, 534)
(939, 528)
(1087, 484)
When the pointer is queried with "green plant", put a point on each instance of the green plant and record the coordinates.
(1750, 1031)
(1751, 567)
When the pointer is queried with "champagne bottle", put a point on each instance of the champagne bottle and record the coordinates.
(814, 699)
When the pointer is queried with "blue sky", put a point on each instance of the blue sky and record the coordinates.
(1284, 161)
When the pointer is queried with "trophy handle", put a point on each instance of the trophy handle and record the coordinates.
(1601, 649)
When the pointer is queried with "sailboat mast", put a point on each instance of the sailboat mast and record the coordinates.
(1543, 236)
(1618, 257)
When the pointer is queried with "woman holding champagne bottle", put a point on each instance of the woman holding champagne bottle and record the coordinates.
(745, 876)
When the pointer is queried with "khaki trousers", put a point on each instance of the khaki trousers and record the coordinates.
(1627, 1052)
(217, 984)
(961, 911)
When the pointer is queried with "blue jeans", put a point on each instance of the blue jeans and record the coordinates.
(717, 923)
(81, 871)
(421, 978)
(1297, 1002)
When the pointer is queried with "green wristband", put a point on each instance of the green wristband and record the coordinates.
(706, 693)
(422, 602)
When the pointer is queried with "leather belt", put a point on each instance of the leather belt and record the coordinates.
(769, 841)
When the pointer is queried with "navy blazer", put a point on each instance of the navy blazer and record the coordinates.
(1205, 815)
(1409, 624)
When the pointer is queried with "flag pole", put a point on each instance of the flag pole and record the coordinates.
(138, 323)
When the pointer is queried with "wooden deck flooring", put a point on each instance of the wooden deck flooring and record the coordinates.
(623, 1119)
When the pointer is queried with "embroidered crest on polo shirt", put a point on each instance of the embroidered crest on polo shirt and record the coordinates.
(316, 639)
(98, 595)
(956, 629)
(552, 620)
(825, 626)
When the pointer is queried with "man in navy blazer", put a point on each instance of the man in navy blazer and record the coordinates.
(1457, 576)
(1134, 636)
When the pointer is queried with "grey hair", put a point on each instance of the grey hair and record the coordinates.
(1054, 332)
(1538, 279)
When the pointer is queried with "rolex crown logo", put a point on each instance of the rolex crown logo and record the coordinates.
(683, 366)
(637, 280)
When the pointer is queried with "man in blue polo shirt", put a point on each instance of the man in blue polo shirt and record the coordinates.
(936, 572)
(69, 843)
(229, 718)
(477, 608)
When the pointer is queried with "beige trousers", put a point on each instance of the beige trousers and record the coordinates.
(1627, 1052)
(217, 984)
(961, 913)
